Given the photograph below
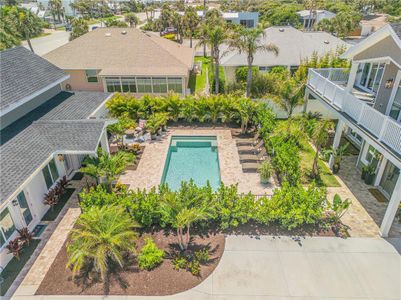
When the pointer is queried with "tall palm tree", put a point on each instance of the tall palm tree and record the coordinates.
(102, 235)
(248, 41)
(56, 8)
(289, 95)
(191, 22)
(79, 27)
(214, 36)
(132, 19)
(28, 25)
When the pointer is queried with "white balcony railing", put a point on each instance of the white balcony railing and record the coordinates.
(330, 83)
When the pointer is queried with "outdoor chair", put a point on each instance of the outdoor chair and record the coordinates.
(253, 157)
(253, 149)
(249, 142)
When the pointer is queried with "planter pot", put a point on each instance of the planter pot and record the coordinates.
(369, 178)
(264, 180)
(336, 168)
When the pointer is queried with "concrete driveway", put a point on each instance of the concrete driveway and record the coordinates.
(267, 268)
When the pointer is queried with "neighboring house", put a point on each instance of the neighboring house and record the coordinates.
(372, 23)
(310, 18)
(366, 100)
(45, 133)
(124, 60)
(294, 46)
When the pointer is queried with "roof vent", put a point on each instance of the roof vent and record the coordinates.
(281, 30)
(124, 32)
(107, 34)
(326, 42)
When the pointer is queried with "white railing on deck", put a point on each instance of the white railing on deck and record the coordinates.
(326, 82)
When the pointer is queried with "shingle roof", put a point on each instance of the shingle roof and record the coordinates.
(294, 45)
(59, 125)
(133, 53)
(397, 29)
(23, 73)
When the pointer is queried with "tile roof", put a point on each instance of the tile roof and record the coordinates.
(133, 52)
(59, 125)
(22, 74)
(294, 45)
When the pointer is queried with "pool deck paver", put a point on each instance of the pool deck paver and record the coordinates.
(150, 168)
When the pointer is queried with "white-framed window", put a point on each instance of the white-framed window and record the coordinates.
(24, 208)
(113, 84)
(370, 76)
(354, 136)
(50, 173)
(91, 75)
(159, 85)
(128, 84)
(175, 84)
(395, 111)
(7, 226)
(144, 84)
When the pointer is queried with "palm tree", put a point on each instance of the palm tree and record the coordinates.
(102, 236)
(246, 109)
(319, 134)
(56, 8)
(107, 166)
(79, 27)
(214, 37)
(191, 22)
(289, 96)
(132, 19)
(28, 25)
(248, 41)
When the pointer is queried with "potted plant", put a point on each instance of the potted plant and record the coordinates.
(337, 156)
(265, 172)
(369, 173)
(152, 125)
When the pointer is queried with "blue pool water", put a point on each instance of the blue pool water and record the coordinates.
(192, 157)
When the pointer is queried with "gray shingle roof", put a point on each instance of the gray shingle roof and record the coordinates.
(23, 73)
(397, 29)
(59, 125)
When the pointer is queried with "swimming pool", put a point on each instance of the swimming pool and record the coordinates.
(192, 157)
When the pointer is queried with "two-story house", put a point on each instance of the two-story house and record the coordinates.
(366, 100)
(45, 134)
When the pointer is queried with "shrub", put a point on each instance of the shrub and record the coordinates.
(241, 73)
(286, 160)
(179, 262)
(202, 255)
(265, 171)
(150, 256)
(294, 206)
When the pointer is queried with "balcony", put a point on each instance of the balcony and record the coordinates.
(330, 84)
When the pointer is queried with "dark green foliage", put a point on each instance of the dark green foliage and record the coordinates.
(150, 256)
(241, 73)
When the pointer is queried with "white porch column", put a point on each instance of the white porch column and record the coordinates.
(337, 139)
(352, 77)
(104, 142)
(380, 171)
(391, 209)
(306, 99)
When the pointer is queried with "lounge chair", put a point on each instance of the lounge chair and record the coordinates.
(248, 142)
(253, 157)
(250, 167)
(250, 149)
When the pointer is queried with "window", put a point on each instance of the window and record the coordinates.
(355, 136)
(371, 75)
(247, 23)
(372, 156)
(7, 226)
(395, 111)
(91, 75)
(50, 173)
(144, 84)
(113, 84)
(128, 85)
(159, 85)
(23, 204)
(175, 84)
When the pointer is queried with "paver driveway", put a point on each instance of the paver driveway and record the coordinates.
(261, 268)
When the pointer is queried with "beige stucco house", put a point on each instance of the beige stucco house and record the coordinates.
(124, 60)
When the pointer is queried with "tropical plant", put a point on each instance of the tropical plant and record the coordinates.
(246, 109)
(51, 198)
(337, 154)
(79, 27)
(15, 247)
(338, 207)
(102, 236)
(150, 256)
(114, 22)
(289, 96)
(265, 171)
(248, 41)
(132, 19)
(56, 9)
(25, 236)
(191, 22)
(106, 166)
(118, 129)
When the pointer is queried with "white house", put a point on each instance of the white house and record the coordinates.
(366, 100)
(45, 133)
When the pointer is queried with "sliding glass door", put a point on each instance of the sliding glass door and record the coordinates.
(370, 76)
(389, 179)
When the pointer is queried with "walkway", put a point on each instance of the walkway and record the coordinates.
(264, 268)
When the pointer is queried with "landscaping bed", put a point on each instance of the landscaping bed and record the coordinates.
(53, 212)
(163, 280)
(15, 266)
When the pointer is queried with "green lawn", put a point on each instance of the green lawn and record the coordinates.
(52, 213)
(197, 83)
(15, 266)
(307, 155)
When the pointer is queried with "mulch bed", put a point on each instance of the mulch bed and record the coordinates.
(163, 280)
(53, 212)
